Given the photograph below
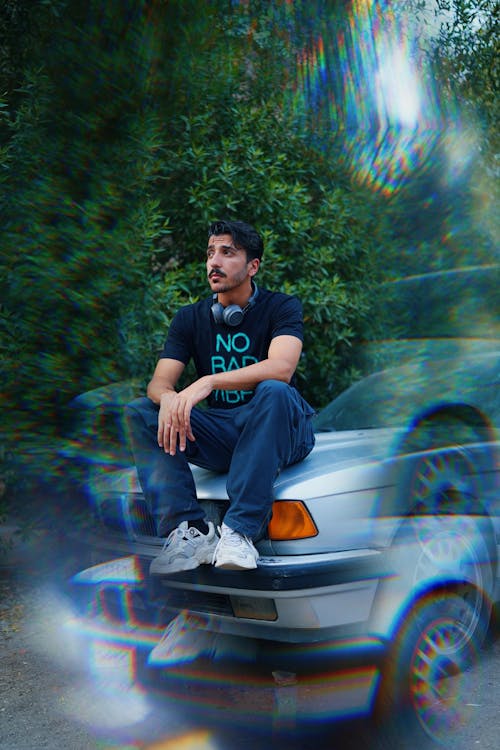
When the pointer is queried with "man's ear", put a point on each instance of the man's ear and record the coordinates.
(253, 266)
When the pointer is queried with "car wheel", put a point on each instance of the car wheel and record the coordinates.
(426, 681)
(446, 535)
(439, 471)
(442, 566)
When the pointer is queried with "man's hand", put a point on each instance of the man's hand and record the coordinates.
(174, 417)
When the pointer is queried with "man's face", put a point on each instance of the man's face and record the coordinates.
(227, 265)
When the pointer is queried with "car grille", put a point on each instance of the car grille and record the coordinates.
(120, 604)
(126, 513)
(194, 601)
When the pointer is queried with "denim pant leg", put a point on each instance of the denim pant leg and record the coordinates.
(167, 481)
(276, 431)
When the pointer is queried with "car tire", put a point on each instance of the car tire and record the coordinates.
(426, 681)
(439, 469)
(441, 570)
(446, 531)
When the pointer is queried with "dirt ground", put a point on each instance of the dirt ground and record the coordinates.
(48, 701)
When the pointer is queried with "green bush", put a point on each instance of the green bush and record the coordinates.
(129, 128)
(319, 234)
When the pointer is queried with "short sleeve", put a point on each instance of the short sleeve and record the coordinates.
(288, 318)
(178, 343)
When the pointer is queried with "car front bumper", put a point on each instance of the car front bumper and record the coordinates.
(297, 599)
(322, 605)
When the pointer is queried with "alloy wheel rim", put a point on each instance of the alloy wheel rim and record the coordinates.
(438, 680)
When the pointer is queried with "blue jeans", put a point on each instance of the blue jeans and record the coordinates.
(252, 443)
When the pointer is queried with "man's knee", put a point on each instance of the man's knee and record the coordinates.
(141, 408)
(274, 399)
(272, 389)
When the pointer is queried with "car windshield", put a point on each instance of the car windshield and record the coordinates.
(459, 303)
(365, 405)
(396, 396)
(436, 336)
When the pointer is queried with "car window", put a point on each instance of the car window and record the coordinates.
(396, 396)
(459, 303)
(365, 405)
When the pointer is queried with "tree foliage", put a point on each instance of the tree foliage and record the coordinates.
(455, 198)
(467, 61)
(126, 127)
(80, 217)
(107, 175)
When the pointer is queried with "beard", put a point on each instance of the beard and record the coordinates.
(227, 285)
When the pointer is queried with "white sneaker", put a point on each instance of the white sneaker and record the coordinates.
(234, 551)
(185, 549)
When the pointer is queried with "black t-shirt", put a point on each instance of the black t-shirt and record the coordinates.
(194, 334)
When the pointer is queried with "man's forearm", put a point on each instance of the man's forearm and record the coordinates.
(156, 389)
(247, 378)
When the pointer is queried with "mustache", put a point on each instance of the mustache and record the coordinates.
(215, 272)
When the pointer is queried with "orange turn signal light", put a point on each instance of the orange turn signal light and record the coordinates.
(291, 520)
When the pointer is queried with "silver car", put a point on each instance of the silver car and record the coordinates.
(385, 539)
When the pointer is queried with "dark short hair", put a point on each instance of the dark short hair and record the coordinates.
(244, 236)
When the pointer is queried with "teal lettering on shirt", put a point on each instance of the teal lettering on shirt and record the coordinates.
(219, 341)
(218, 364)
(233, 364)
(237, 343)
(231, 397)
(240, 342)
(234, 345)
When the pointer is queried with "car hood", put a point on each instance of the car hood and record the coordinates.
(336, 453)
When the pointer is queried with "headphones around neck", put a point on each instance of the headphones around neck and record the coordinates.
(232, 315)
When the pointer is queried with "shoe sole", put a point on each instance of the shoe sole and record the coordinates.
(235, 566)
(156, 568)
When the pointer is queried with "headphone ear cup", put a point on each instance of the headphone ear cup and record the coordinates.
(233, 315)
(218, 312)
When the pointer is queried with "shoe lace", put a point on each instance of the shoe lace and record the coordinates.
(178, 532)
(233, 538)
